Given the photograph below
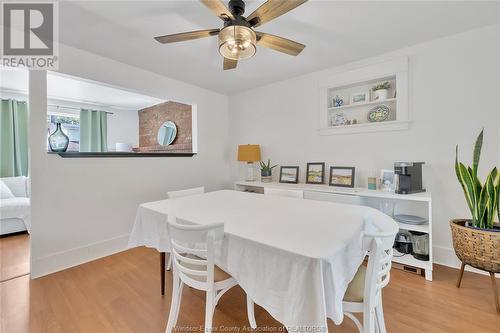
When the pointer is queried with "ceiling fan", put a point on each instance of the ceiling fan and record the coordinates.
(238, 39)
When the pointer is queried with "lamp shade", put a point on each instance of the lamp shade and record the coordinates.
(248, 153)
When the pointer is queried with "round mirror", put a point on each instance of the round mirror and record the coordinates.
(167, 133)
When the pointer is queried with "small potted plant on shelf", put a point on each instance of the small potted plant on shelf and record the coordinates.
(381, 90)
(477, 241)
(266, 171)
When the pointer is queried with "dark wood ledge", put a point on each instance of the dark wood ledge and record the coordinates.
(75, 154)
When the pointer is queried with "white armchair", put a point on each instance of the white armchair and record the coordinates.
(15, 211)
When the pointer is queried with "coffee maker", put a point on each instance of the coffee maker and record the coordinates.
(408, 177)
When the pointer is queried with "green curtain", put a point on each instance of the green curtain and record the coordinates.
(13, 138)
(93, 131)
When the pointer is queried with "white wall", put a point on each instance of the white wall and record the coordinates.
(123, 126)
(84, 208)
(454, 89)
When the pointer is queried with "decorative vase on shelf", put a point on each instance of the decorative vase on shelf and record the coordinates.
(381, 90)
(58, 141)
(381, 94)
(338, 101)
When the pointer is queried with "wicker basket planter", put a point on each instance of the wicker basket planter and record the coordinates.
(479, 248)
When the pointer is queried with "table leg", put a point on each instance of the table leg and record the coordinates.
(162, 272)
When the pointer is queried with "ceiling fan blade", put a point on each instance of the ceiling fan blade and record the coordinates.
(183, 36)
(279, 44)
(218, 8)
(230, 64)
(271, 9)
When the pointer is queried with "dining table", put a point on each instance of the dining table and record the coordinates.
(293, 257)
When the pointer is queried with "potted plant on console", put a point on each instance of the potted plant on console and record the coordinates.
(266, 171)
(477, 241)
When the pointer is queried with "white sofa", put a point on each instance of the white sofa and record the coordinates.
(15, 212)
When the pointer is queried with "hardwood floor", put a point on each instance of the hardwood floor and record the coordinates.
(121, 293)
(14, 256)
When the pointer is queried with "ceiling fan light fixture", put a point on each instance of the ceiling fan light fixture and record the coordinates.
(237, 42)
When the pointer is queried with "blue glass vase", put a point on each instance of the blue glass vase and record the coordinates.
(58, 141)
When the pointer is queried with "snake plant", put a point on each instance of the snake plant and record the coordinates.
(482, 199)
(266, 166)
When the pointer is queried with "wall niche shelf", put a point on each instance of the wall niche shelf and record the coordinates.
(352, 117)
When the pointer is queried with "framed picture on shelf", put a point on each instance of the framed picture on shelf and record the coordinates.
(289, 174)
(342, 176)
(360, 97)
(387, 180)
(315, 173)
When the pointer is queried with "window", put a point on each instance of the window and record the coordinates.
(70, 124)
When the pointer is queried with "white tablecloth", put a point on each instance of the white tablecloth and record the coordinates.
(293, 257)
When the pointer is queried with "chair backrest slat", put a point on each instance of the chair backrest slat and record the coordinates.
(189, 271)
(188, 260)
(188, 233)
(187, 249)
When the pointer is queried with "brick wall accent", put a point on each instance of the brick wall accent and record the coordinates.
(151, 119)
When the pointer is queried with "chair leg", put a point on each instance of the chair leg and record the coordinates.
(177, 309)
(369, 321)
(460, 275)
(251, 313)
(175, 304)
(495, 291)
(379, 314)
(162, 273)
(209, 311)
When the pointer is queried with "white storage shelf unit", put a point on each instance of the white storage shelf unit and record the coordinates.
(419, 204)
(355, 82)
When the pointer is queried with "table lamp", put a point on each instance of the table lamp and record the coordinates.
(249, 154)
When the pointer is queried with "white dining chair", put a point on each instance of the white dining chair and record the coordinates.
(180, 194)
(193, 250)
(364, 293)
(185, 193)
(284, 192)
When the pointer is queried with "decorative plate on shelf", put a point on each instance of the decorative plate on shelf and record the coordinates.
(410, 219)
(379, 113)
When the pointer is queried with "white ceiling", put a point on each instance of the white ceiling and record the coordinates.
(75, 90)
(335, 32)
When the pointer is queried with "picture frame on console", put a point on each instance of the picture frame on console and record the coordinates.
(315, 173)
(387, 180)
(342, 176)
(289, 174)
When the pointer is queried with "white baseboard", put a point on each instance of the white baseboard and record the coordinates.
(77, 256)
(446, 256)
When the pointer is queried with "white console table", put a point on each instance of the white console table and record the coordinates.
(417, 204)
